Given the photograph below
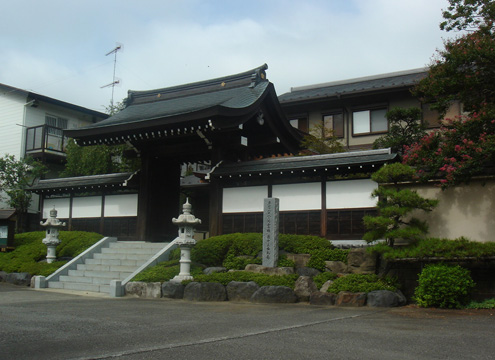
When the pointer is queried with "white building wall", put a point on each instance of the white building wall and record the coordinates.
(347, 194)
(305, 196)
(11, 123)
(244, 199)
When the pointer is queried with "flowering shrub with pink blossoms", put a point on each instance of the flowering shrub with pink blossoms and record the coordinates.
(462, 148)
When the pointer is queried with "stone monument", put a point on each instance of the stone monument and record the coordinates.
(270, 232)
(51, 240)
(186, 223)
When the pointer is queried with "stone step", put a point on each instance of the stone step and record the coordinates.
(92, 267)
(109, 262)
(86, 280)
(137, 244)
(142, 257)
(102, 274)
(79, 286)
(129, 250)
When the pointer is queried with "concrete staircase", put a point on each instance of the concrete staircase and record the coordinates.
(115, 262)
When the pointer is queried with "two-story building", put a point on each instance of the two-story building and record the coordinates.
(32, 125)
(355, 108)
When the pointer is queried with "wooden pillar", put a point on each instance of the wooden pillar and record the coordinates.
(216, 197)
(323, 216)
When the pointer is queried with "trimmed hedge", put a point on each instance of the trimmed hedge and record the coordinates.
(245, 276)
(435, 247)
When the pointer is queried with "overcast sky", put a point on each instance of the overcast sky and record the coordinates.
(57, 47)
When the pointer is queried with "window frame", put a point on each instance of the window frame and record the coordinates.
(333, 114)
(370, 109)
(300, 118)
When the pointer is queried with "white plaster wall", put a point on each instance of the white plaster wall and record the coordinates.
(62, 206)
(121, 205)
(244, 199)
(347, 194)
(11, 123)
(86, 207)
(306, 196)
(463, 210)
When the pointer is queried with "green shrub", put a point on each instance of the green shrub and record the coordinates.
(434, 247)
(485, 304)
(361, 283)
(164, 271)
(212, 251)
(283, 261)
(29, 250)
(302, 244)
(323, 277)
(443, 286)
(260, 279)
(319, 256)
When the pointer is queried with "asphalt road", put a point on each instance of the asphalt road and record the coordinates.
(51, 325)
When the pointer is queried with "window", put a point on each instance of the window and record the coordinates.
(299, 122)
(334, 122)
(369, 121)
(56, 122)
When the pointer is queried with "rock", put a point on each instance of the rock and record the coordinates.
(173, 290)
(3, 276)
(347, 298)
(326, 285)
(307, 271)
(22, 278)
(241, 291)
(402, 298)
(274, 294)
(135, 288)
(144, 289)
(260, 269)
(383, 298)
(360, 261)
(304, 287)
(337, 267)
(322, 298)
(204, 291)
(214, 269)
(301, 260)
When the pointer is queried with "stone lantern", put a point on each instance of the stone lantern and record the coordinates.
(186, 223)
(51, 240)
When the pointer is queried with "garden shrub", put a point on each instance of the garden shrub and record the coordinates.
(302, 244)
(362, 283)
(212, 251)
(323, 277)
(444, 286)
(434, 247)
(245, 276)
(319, 256)
(164, 271)
(29, 250)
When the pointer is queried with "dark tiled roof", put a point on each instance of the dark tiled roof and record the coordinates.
(6, 214)
(227, 93)
(315, 162)
(402, 79)
(82, 183)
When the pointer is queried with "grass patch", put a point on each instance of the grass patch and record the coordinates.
(486, 304)
(362, 283)
(29, 250)
(322, 278)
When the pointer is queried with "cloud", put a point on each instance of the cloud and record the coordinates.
(60, 49)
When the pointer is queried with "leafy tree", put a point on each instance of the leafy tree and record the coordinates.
(406, 128)
(15, 177)
(464, 146)
(99, 159)
(321, 140)
(468, 14)
(395, 205)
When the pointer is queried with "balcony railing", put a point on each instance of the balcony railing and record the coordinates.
(45, 139)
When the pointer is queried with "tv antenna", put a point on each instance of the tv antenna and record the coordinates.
(115, 81)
